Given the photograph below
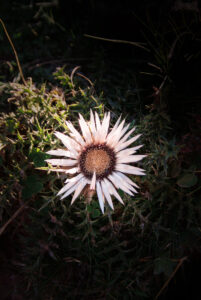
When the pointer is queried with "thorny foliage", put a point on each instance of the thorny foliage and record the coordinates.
(75, 252)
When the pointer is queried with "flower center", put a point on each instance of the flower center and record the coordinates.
(97, 158)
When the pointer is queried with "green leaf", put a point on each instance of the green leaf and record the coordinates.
(32, 186)
(187, 180)
(38, 157)
(95, 213)
(11, 125)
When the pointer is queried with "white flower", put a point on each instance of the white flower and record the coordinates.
(97, 159)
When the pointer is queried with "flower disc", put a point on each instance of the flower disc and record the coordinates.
(99, 159)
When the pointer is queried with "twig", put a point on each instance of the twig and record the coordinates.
(15, 52)
(72, 74)
(13, 216)
(171, 276)
(117, 41)
(189, 194)
(161, 86)
(87, 79)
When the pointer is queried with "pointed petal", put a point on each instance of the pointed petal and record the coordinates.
(129, 169)
(98, 123)
(75, 133)
(58, 170)
(106, 193)
(127, 179)
(114, 180)
(105, 127)
(116, 124)
(100, 196)
(112, 190)
(70, 191)
(61, 162)
(113, 137)
(59, 152)
(124, 185)
(85, 129)
(66, 187)
(72, 171)
(93, 182)
(79, 189)
(97, 136)
(128, 151)
(127, 135)
(121, 146)
(117, 135)
(114, 128)
(92, 123)
(75, 178)
(130, 158)
(68, 142)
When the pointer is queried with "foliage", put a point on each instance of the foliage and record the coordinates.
(74, 251)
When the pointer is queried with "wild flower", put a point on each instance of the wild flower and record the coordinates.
(97, 159)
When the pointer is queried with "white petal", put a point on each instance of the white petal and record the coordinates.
(85, 129)
(121, 146)
(93, 182)
(130, 158)
(113, 137)
(92, 123)
(98, 123)
(105, 127)
(72, 171)
(112, 190)
(100, 196)
(116, 137)
(61, 162)
(128, 151)
(67, 141)
(124, 130)
(129, 169)
(98, 134)
(79, 189)
(127, 179)
(123, 185)
(75, 133)
(114, 128)
(59, 152)
(75, 178)
(71, 190)
(114, 180)
(127, 135)
(58, 170)
(66, 187)
(106, 193)
(116, 125)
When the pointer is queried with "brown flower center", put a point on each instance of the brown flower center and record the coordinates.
(97, 158)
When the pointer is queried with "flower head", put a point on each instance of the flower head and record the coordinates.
(97, 158)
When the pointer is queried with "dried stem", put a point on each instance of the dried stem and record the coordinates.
(171, 276)
(2, 229)
(15, 52)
